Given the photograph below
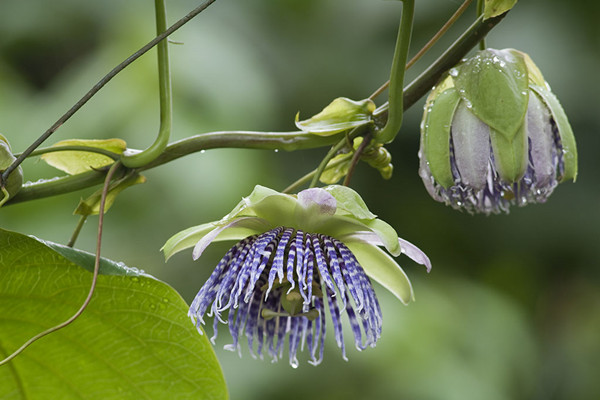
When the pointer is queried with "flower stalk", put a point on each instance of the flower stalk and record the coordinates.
(396, 88)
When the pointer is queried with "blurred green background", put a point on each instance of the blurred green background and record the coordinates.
(511, 309)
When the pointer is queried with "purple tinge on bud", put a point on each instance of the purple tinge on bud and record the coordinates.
(278, 284)
(478, 187)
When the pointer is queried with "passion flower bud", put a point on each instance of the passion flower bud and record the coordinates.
(15, 180)
(494, 135)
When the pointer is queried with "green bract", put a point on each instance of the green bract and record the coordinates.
(493, 134)
(15, 180)
(341, 114)
(335, 211)
(75, 162)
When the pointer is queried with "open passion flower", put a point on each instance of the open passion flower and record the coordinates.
(297, 256)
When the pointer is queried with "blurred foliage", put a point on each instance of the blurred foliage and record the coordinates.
(511, 309)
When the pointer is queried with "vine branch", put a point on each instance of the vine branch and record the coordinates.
(166, 102)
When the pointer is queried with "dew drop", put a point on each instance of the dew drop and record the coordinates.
(202, 151)
(453, 72)
(276, 150)
(294, 364)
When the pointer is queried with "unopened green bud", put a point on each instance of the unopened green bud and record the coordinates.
(494, 135)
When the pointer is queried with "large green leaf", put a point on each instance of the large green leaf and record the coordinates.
(134, 341)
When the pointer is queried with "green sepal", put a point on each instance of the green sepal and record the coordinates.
(350, 202)
(340, 115)
(510, 156)
(189, 237)
(535, 75)
(565, 132)
(493, 8)
(435, 129)
(387, 234)
(494, 85)
(76, 162)
(382, 268)
(91, 205)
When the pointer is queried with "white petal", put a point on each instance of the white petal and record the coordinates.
(412, 251)
(539, 132)
(317, 197)
(471, 138)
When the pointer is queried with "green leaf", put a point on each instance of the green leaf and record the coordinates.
(341, 114)
(382, 268)
(134, 341)
(510, 156)
(76, 162)
(436, 135)
(91, 205)
(350, 201)
(564, 130)
(494, 85)
(493, 8)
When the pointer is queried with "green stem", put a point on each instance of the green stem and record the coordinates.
(480, 6)
(395, 97)
(164, 84)
(356, 158)
(333, 151)
(77, 230)
(429, 44)
(96, 88)
(288, 141)
(5, 196)
(308, 177)
(89, 149)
